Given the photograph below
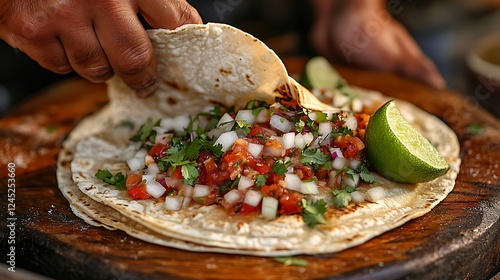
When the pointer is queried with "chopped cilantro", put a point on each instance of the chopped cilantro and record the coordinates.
(146, 131)
(281, 167)
(117, 180)
(321, 117)
(299, 125)
(365, 174)
(314, 157)
(291, 261)
(314, 212)
(342, 197)
(189, 173)
(127, 123)
(243, 126)
(260, 180)
(213, 115)
(202, 143)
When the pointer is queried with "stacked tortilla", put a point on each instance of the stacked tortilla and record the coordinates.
(202, 65)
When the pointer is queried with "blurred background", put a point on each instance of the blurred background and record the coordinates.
(446, 31)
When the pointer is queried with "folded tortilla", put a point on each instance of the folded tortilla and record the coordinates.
(202, 65)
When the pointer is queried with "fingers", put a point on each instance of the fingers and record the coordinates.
(127, 47)
(416, 63)
(49, 54)
(85, 54)
(168, 14)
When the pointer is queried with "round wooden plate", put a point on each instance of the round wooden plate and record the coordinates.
(457, 239)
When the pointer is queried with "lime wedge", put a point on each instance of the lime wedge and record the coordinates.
(320, 74)
(398, 151)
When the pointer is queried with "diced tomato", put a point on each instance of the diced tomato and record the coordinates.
(158, 151)
(351, 146)
(304, 172)
(259, 134)
(238, 159)
(289, 203)
(177, 174)
(247, 209)
(135, 187)
(272, 190)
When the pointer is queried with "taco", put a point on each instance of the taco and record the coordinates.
(234, 156)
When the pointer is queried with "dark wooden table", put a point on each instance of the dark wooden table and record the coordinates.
(457, 239)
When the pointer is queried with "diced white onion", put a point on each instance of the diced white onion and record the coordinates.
(149, 177)
(281, 123)
(173, 202)
(262, 116)
(244, 183)
(357, 197)
(141, 154)
(336, 152)
(186, 201)
(232, 196)
(309, 187)
(340, 100)
(163, 138)
(186, 190)
(226, 139)
(253, 198)
(153, 168)
(351, 180)
(269, 207)
(167, 124)
(308, 138)
(292, 182)
(181, 122)
(299, 141)
(155, 189)
(339, 163)
(351, 123)
(201, 190)
(324, 128)
(255, 149)
(354, 163)
(135, 164)
(375, 194)
(246, 116)
(288, 140)
(312, 115)
(225, 120)
(356, 105)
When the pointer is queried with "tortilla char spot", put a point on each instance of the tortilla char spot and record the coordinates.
(249, 80)
(175, 86)
(65, 164)
(171, 101)
(225, 72)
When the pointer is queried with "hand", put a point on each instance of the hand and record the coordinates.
(95, 38)
(363, 32)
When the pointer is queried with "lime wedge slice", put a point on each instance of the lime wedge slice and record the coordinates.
(398, 151)
(320, 74)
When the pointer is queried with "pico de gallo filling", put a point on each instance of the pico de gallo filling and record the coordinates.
(269, 159)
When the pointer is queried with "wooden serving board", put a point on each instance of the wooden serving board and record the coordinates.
(457, 239)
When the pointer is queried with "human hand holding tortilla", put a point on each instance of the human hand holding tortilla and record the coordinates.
(93, 38)
(363, 33)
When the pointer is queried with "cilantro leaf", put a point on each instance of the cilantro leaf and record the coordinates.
(291, 261)
(146, 131)
(342, 197)
(243, 126)
(365, 174)
(260, 180)
(321, 117)
(314, 157)
(314, 212)
(281, 167)
(189, 173)
(117, 180)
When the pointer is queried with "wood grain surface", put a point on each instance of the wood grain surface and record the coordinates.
(459, 239)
